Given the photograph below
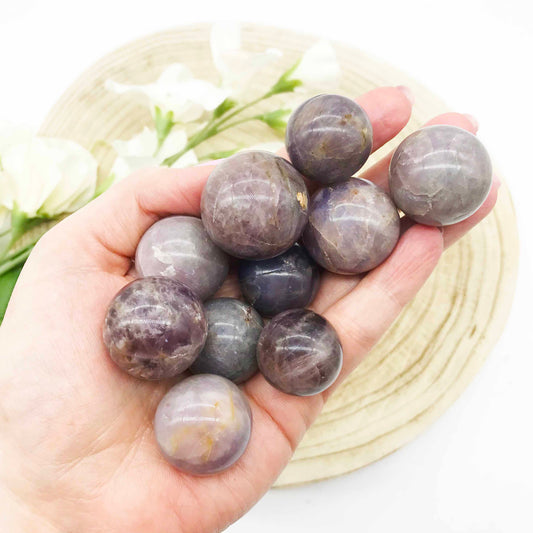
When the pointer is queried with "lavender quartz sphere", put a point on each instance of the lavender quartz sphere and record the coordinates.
(440, 175)
(180, 248)
(233, 329)
(254, 205)
(203, 424)
(353, 227)
(329, 138)
(155, 328)
(287, 281)
(299, 352)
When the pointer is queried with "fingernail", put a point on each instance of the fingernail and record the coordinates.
(473, 120)
(496, 181)
(407, 93)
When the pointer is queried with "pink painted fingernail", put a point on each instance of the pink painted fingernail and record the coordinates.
(407, 93)
(473, 120)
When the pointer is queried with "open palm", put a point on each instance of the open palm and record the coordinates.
(77, 450)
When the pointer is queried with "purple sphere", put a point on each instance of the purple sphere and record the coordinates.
(440, 175)
(329, 138)
(180, 248)
(353, 227)
(203, 424)
(233, 328)
(254, 205)
(287, 281)
(299, 352)
(155, 328)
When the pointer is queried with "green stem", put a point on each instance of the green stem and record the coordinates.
(237, 122)
(213, 128)
(16, 259)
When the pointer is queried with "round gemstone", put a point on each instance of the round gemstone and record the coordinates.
(155, 328)
(203, 424)
(287, 281)
(353, 227)
(299, 352)
(440, 175)
(254, 205)
(329, 138)
(233, 328)
(179, 247)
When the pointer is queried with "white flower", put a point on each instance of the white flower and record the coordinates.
(236, 66)
(176, 91)
(141, 152)
(318, 69)
(46, 176)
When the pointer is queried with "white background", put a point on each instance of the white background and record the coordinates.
(472, 471)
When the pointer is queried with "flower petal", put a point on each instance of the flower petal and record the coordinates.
(79, 171)
(47, 176)
(143, 144)
(188, 159)
(176, 90)
(31, 174)
(236, 67)
(319, 69)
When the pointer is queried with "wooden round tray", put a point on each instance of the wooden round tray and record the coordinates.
(437, 345)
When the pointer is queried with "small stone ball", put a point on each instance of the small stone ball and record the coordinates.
(353, 227)
(440, 175)
(202, 425)
(254, 205)
(329, 138)
(155, 328)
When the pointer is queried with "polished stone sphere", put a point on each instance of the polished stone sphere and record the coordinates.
(440, 175)
(329, 138)
(287, 281)
(254, 205)
(353, 227)
(299, 352)
(180, 248)
(155, 328)
(233, 329)
(203, 424)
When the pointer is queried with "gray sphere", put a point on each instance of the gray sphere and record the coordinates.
(329, 138)
(440, 175)
(180, 248)
(155, 328)
(254, 205)
(299, 352)
(233, 328)
(203, 424)
(353, 227)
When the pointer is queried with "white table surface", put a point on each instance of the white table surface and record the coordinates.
(472, 470)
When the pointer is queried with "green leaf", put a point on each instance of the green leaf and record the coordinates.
(224, 107)
(277, 119)
(7, 284)
(285, 83)
(104, 185)
(219, 155)
(21, 223)
(163, 124)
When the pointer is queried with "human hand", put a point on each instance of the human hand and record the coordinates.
(77, 450)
